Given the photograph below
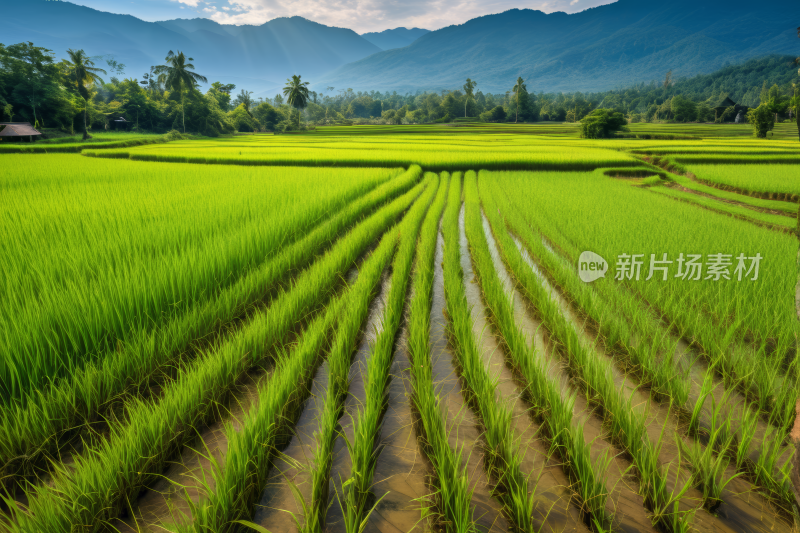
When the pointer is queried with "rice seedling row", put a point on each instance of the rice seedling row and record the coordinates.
(550, 403)
(90, 284)
(240, 480)
(765, 220)
(504, 455)
(765, 470)
(746, 331)
(31, 431)
(97, 490)
(450, 498)
(357, 500)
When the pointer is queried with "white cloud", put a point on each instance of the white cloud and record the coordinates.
(378, 15)
(190, 3)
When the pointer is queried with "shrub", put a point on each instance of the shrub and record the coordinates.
(498, 114)
(762, 119)
(243, 120)
(601, 123)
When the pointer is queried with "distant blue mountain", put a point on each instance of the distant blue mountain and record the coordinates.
(257, 58)
(396, 38)
(598, 49)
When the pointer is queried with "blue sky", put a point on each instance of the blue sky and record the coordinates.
(359, 15)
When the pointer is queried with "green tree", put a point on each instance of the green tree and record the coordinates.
(775, 100)
(244, 98)
(601, 123)
(519, 87)
(667, 82)
(683, 109)
(469, 91)
(150, 81)
(178, 75)
(795, 105)
(222, 92)
(85, 74)
(266, 115)
(762, 119)
(31, 81)
(296, 93)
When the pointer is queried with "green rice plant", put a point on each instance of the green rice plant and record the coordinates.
(710, 462)
(692, 183)
(757, 179)
(457, 152)
(367, 419)
(627, 424)
(641, 344)
(752, 332)
(31, 431)
(768, 220)
(449, 503)
(550, 405)
(120, 248)
(135, 451)
(45, 147)
(240, 481)
(779, 416)
(503, 453)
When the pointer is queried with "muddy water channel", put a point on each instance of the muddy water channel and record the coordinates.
(401, 469)
(278, 505)
(743, 509)
(462, 426)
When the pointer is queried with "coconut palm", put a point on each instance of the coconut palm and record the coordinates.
(469, 89)
(85, 74)
(178, 75)
(520, 86)
(296, 93)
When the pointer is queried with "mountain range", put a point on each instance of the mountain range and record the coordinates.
(396, 38)
(257, 58)
(605, 47)
(598, 49)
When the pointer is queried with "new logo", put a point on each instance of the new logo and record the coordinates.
(591, 267)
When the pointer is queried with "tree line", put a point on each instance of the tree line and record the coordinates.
(76, 94)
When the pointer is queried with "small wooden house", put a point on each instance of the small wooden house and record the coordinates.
(17, 131)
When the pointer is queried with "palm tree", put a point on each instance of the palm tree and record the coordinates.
(178, 75)
(245, 98)
(85, 74)
(469, 87)
(520, 86)
(296, 93)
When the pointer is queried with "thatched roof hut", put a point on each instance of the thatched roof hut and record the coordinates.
(17, 130)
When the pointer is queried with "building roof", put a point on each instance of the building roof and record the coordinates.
(723, 102)
(17, 129)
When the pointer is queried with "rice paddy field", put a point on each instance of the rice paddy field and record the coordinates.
(396, 329)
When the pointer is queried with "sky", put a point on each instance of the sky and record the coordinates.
(359, 15)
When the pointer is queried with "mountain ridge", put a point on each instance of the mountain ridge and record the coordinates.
(257, 58)
(395, 37)
(597, 49)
